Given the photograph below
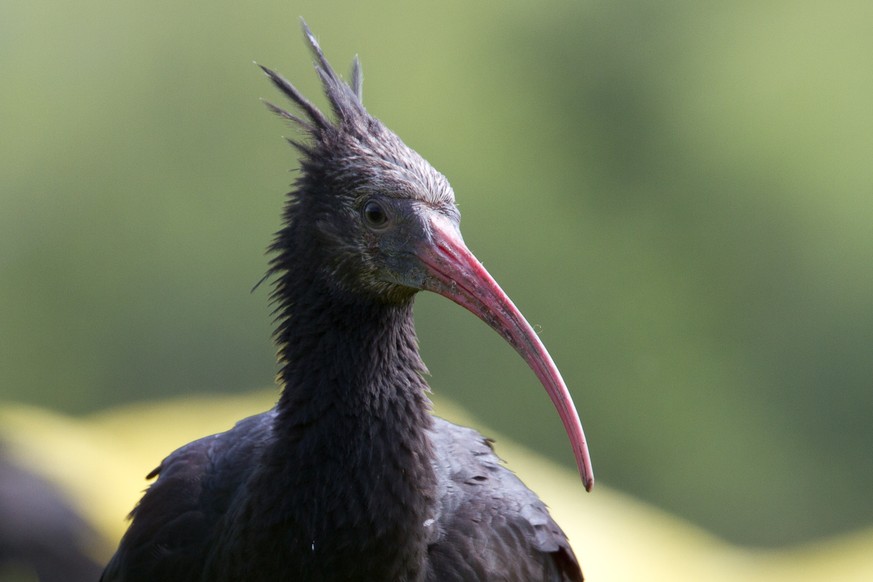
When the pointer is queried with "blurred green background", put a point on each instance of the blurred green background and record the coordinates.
(678, 195)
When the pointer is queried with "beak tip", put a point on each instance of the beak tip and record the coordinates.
(586, 472)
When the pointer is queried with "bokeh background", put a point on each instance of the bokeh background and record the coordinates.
(678, 195)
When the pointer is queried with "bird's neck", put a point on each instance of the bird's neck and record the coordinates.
(344, 357)
(351, 424)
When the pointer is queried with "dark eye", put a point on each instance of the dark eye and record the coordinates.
(374, 214)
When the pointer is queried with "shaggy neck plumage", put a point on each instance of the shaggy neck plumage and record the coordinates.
(340, 348)
(350, 432)
(346, 353)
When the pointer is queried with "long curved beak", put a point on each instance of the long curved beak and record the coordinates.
(453, 272)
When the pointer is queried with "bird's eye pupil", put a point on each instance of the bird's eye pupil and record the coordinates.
(374, 214)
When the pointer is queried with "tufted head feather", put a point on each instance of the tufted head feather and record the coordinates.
(346, 159)
(345, 101)
(356, 147)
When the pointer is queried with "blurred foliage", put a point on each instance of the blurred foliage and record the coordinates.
(677, 194)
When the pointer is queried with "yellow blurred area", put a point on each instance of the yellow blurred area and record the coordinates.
(100, 462)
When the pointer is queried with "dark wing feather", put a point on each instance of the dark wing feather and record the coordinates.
(175, 521)
(489, 526)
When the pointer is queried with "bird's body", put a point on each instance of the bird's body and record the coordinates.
(350, 477)
(474, 524)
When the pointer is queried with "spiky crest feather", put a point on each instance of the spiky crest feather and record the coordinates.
(345, 100)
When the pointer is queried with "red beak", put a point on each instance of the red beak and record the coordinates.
(455, 273)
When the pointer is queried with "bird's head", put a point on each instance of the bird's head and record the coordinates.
(383, 224)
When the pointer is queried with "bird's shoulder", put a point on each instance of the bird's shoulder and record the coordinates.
(487, 519)
(176, 517)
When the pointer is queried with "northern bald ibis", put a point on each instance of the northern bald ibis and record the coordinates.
(350, 477)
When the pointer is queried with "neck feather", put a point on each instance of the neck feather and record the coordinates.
(350, 434)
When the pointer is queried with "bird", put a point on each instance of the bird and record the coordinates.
(41, 531)
(350, 476)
